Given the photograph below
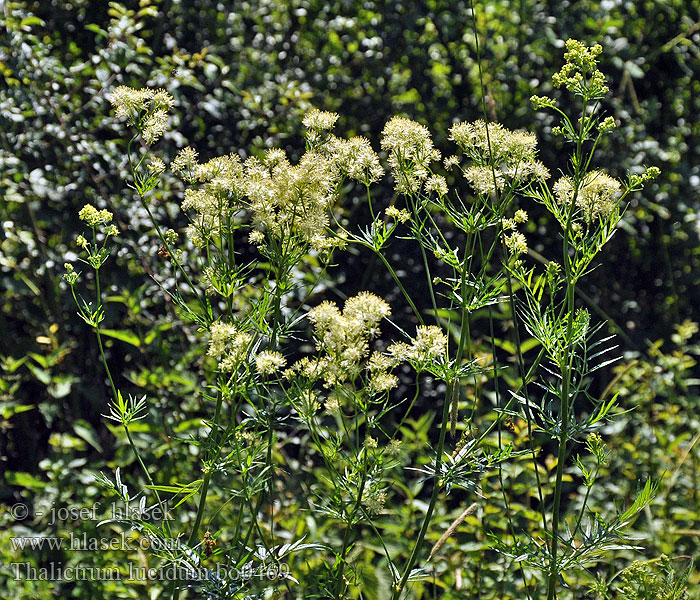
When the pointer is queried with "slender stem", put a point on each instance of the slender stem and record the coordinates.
(433, 500)
(346, 536)
(526, 395)
(207, 478)
(405, 294)
(562, 441)
(202, 301)
(585, 503)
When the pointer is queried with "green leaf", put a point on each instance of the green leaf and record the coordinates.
(11, 365)
(122, 335)
(24, 480)
(84, 430)
(9, 410)
(41, 374)
(32, 20)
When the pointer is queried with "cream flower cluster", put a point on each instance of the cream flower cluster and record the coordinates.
(430, 344)
(229, 345)
(342, 340)
(353, 158)
(409, 148)
(499, 156)
(597, 194)
(284, 200)
(222, 188)
(145, 108)
(269, 362)
(516, 242)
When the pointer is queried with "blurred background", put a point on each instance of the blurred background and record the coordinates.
(243, 74)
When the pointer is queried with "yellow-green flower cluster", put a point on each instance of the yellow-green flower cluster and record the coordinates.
(519, 217)
(145, 108)
(499, 155)
(70, 276)
(636, 180)
(93, 217)
(450, 162)
(283, 201)
(229, 345)
(409, 148)
(400, 215)
(597, 194)
(379, 366)
(607, 124)
(495, 145)
(579, 73)
(374, 501)
(542, 102)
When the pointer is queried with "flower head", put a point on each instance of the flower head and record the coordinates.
(268, 362)
(93, 217)
(579, 73)
(356, 159)
(430, 344)
(229, 345)
(596, 195)
(320, 120)
(437, 184)
(185, 163)
(516, 243)
(156, 166)
(146, 108)
(343, 337)
(410, 150)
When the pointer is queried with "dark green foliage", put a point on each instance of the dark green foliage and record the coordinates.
(242, 80)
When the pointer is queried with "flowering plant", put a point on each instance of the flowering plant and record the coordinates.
(325, 419)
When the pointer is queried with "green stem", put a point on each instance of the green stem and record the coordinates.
(562, 441)
(203, 303)
(396, 594)
(207, 478)
(346, 537)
